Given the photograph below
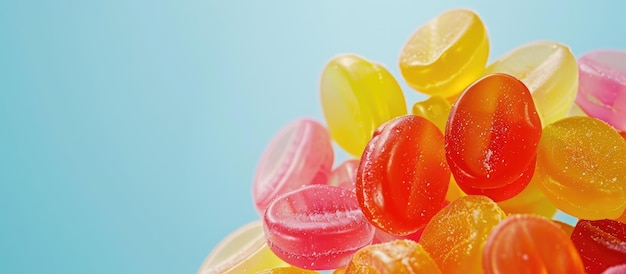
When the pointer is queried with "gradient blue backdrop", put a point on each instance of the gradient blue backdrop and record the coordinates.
(130, 130)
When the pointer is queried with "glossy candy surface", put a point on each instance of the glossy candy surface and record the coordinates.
(435, 109)
(454, 39)
(358, 96)
(403, 177)
(491, 137)
(581, 168)
(455, 236)
(316, 227)
(530, 244)
(344, 175)
(618, 269)
(530, 201)
(243, 251)
(550, 72)
(400, 256)
(300, 154)
(601, 244)
(602, 91)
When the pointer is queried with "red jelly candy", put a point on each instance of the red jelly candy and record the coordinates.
(491, 137)
(403, 176)
(601, 244)
(316, 227)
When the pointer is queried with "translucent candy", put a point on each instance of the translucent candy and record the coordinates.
(358, 96)
(403, 177)
(550, 72)
(530, 201)
(455, 236)
(400, 256)
(316, 227)
(581, 168)
(435, 109)
(601, 244)
(300, 154)
(602, 91)
(243, 251)
(491, 137)
(344, 175)
(530, 244)
(446, 54)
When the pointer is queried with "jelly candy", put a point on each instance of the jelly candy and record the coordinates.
(550, 72)
(601, 244)
(581, 168)
(243, 251)
(529, 201)
(455, 236)
(403, 177)
(602, 91)
(454, 192)
(400, 256)
(300, 154)
(381, 236)
(357, 96)
(618, 269)
(491, 137)
(344, 175)
(316, 227)
(435, 109)
(530, 244)
(446, 54)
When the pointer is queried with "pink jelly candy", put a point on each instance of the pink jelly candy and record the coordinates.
(300, 154)
(345, 174)
(316, 227)
(602, 86)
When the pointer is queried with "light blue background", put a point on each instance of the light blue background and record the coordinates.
(130, 130)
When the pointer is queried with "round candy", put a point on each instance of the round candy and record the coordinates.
(530, 244)
(446, 54)
(435, 109)
(581, 168)
(403, 177)
(244, 250)
(601, 244)
(400, 256)
(454, 237)
(358, 96)
(602, 91)
(316, 227)
(300, 154)
(491, 137)
(550, 72)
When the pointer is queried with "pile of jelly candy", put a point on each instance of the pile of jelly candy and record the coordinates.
(469, 182)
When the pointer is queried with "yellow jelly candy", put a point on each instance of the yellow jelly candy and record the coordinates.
(243, 251)
(529, 201)
(446, 54)
(357, 97)
(435, 109)
(550, 72)
(581, 168)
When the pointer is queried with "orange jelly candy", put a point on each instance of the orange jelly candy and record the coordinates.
(454, 237)
(400, 256)
(530, 244)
